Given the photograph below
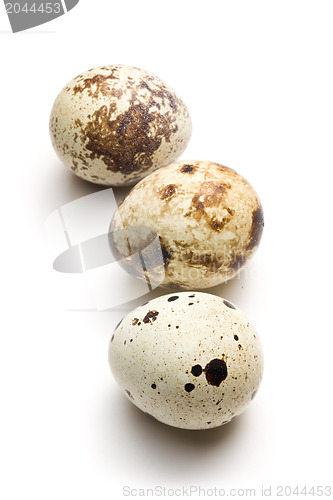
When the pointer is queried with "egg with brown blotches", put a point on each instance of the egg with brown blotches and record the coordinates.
(208, 218)
(113, 125)
(191, 360)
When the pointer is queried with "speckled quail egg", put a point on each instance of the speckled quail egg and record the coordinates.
(114, 125)
(191, 360)
(208, 218)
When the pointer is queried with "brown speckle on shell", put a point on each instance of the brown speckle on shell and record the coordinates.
(168, 192)
(150, 317)
(210, 195)
(209, 224)
(166, 253)
(133, 146)
(97, 84)
(122, 121)
(257, 227)
(187, 169)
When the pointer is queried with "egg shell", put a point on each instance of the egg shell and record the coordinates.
(191, 360)
(208, 217)
(113, 125)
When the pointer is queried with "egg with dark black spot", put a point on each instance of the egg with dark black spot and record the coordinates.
(208, 218)
(113, 125)
(182, 364)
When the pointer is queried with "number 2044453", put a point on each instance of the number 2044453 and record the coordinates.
(314, 491)
(35, 8)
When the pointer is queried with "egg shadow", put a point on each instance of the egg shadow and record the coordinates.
(167, 451)
(230, 290)
(79, 187)
(61, 186)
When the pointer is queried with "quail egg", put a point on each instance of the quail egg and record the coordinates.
(113, 125)
(209, 220)
(191, 360)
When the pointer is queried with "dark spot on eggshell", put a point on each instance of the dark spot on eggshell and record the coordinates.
(150, 317)
(256, 228)
(236, 337)
(174, 297)
(189, 387)
(191, 296)
(144, 85)
(135, 321)
(80, 157)
(153, 386)
(187, 169)
(196, 370)
(229, 304)
(166, 253)
(215, 224)
(216, 371)
(168, 192)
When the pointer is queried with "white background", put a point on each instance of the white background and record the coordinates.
(257, 78)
